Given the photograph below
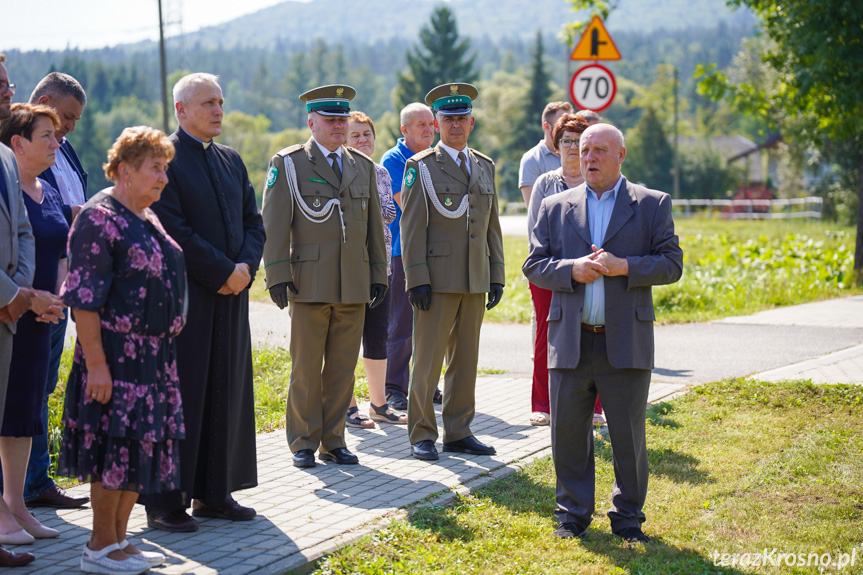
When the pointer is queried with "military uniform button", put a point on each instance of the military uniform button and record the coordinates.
(342, 195)
(473, 221)
(472, 236)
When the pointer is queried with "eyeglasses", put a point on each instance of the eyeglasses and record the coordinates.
(6, 86)
(566, 143)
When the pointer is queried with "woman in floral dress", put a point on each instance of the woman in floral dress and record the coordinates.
(127, 291)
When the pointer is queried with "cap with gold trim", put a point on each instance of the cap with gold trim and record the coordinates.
(452, 99)
(332, 100)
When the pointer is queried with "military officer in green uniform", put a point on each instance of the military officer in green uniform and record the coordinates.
(452, 251)
(325, 255)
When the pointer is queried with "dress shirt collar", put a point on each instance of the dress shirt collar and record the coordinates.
(612, 191)
(326, 152)
(453, 153)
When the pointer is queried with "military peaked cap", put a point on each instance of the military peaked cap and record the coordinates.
(452, 99)
(333, 100)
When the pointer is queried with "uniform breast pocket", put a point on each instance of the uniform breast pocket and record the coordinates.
(486, 197)
(304, 269)
(360, 201)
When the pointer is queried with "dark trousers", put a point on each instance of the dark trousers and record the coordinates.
(400, 340)
(624, 397)
(37, 480)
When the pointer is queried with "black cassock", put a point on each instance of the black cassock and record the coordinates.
(209, 208)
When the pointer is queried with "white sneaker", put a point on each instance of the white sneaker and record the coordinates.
(154, 558)
(99, 562)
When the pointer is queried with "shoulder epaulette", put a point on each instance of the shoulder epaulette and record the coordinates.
(359, 153)
(289, 150)
(483, 156)
(420, 155)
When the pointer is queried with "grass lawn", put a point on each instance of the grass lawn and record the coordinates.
(730, 268)
(737, 467)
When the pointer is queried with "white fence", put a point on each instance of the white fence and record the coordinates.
(806, 208)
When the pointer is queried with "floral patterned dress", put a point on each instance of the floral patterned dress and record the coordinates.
(132, 273)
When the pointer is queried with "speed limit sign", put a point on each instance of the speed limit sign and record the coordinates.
(592, 88)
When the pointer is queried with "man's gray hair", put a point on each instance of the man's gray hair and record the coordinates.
(58, 86)
(186, 85)
(589, 115)
(409, 110)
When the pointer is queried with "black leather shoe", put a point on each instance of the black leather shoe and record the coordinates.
(304, 458)
(340, 455)
(230, 510)
(632, 535)
(173, 520)
(397, 401)
(438, 397)
(12, 559)
(425, 450)
(569, 531)
(56, 497)
(469, 445)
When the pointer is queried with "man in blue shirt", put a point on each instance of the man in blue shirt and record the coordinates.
(417, 126)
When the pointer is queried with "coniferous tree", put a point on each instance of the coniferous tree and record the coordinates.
(529, 127)
(440, 57)
(649, 156)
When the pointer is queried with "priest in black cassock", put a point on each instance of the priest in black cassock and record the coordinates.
(209, 208)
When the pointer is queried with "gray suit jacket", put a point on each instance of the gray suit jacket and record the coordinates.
(642, 231)
(17, 246)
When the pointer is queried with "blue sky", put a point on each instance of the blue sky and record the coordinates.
(97, 23)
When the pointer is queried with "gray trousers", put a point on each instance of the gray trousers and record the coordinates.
(624, 399)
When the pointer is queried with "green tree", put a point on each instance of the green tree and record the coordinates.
(439, 58)
(649, 157)
(818, 58)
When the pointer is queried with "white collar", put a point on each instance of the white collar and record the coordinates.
(453, 153)
(326, 152)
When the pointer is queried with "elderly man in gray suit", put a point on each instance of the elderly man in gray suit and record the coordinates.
(600, 247)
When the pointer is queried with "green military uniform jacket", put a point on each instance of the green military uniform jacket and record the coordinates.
(312, 254)
(460, 255)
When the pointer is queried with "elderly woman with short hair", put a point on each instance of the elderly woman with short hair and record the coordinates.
(30, 132)
(127, 290)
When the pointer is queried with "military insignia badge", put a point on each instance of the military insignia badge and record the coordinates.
(447, 202)
(340, 91)
(317, 203)
(410, 176)
(453, 89)
(271, 176)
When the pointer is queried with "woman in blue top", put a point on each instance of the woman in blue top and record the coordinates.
(29, 132)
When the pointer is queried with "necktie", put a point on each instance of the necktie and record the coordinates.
(463, 165)
(335, 158)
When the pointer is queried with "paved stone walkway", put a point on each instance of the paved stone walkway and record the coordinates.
(305, 513)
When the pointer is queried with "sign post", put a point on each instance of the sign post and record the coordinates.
(592, 87)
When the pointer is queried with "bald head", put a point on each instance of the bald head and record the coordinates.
(602, 152)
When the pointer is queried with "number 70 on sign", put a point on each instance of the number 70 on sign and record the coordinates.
(592, 87)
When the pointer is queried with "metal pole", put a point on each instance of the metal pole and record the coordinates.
(164, 71)
(676, 143)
